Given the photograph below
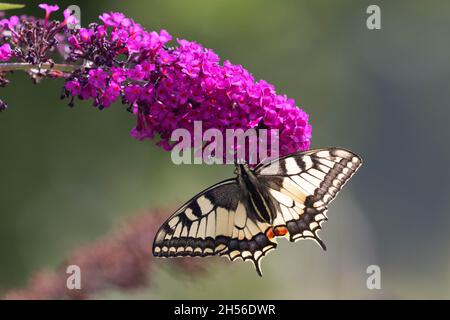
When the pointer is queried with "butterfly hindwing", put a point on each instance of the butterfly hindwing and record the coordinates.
(303, 185)
(215, 222)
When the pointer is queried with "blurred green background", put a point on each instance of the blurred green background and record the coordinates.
(69, 176)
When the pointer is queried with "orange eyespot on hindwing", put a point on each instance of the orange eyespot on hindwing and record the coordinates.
(280, 231)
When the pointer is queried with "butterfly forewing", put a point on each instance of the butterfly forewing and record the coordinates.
(215, 222)
(303, 185)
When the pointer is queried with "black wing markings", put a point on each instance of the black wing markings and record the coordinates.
(231, 233)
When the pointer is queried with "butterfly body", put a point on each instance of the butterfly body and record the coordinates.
(242, 217)
(258, 200)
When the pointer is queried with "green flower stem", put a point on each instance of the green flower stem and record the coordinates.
(10, 6)
(5, 67)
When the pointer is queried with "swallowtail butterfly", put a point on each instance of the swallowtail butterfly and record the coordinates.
(243, 217)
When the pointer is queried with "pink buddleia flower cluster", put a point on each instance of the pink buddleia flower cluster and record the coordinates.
(5, 52)
(166, 87)
(121, 260)
(33, 41)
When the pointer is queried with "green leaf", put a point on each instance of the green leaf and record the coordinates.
(9, 6)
